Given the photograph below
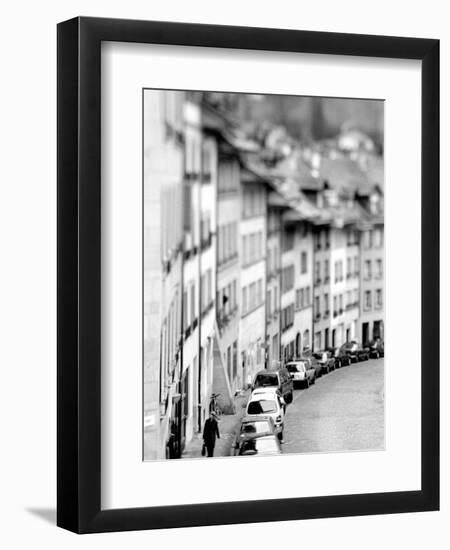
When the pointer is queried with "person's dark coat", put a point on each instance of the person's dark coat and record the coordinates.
(210, 431)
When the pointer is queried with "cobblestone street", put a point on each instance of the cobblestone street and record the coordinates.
(343, 411)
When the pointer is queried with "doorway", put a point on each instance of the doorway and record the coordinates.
(365, 333)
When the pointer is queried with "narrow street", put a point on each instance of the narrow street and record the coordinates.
(343, 411)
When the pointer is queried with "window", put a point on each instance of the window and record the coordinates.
(306, 339)
(209, 285)
(356, 266)
(203, 292)
(259, 296)
(367, 270)
(253, 203)
(244, 249)
(228, 176)
(317, 340)
(308, 296)
(367, 242)
(185, 393)
(378, 238)
(327, 270)
(288, 239)
(304, 262)
(335, 306)
(244, 300)
(252, 248)
(287, 317)
(379, 269)
(227, 243)
(326, 303)
(287, 278)
(269, 303)
(317, 273)
(349, 267)
(378, 299)
(317, 306)
(297, 299)
(193, 308)
(367, 300)
(205, 230)
(317, 241)
(234, 359)
(341, 303)
(206, 163)
(185, 310)
(252, 296)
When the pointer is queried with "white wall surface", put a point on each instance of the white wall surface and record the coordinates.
(28, 274)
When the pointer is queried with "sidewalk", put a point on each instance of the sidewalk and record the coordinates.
(228, 424)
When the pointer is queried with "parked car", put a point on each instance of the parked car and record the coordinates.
(264, 445)
(341, 358)
(268, 402)
(251, 427)
(376, 348)
(355, 351)
(302, 372)
(317, 366)
(308, 356)
(275, 378)
(326, 361)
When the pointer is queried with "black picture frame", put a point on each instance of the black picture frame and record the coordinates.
(79, 280)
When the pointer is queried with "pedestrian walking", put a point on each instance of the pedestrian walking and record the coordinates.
(210, 432)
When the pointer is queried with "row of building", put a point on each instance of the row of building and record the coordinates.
(247, 259)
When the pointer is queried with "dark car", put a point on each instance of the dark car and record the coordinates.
(264, 445)
(355, 351)
(275, 378)
(325, 360)
(341, 358)
(376, 349)
(251, 427)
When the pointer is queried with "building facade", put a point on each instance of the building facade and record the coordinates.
(228, 272)
(323, 287)
(371, 319)
(303, 263)
(252, 238)
(163, 236)
(275, 206)
(199, 272)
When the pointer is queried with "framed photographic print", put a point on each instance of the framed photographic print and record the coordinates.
(248, 259)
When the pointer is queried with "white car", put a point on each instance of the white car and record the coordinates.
(268, 402)
(302, 372)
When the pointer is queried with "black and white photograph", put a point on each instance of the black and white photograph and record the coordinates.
(263, 274)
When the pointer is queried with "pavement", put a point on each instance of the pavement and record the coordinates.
(343, 411)
(228, 424)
